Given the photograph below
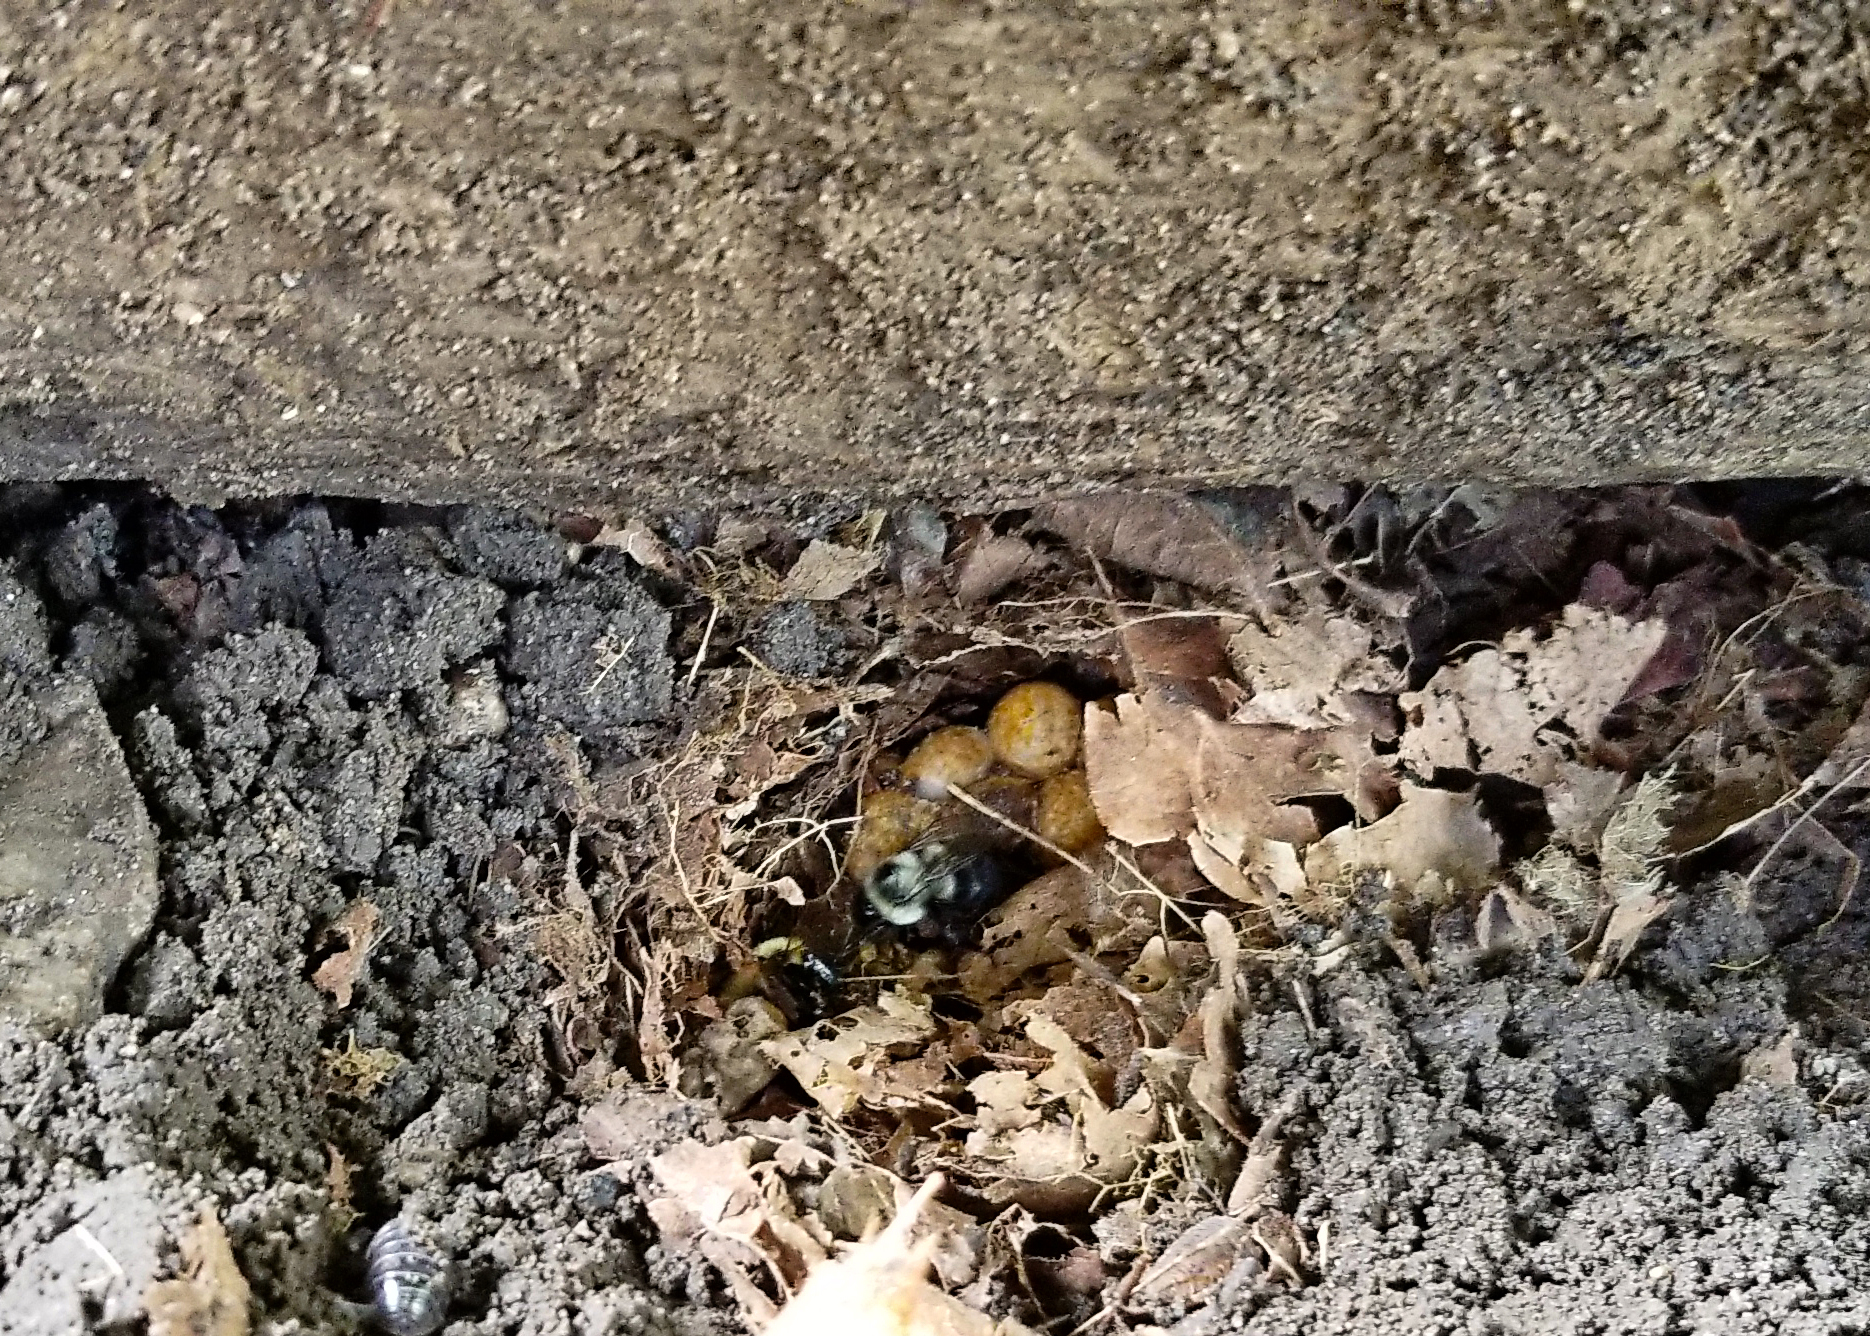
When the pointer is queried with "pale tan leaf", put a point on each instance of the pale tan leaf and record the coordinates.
(211, 1300)
(727, 1062)
(338, 975)
(1248, 778)
(1072, 1071)
(846, 1061)
(715, 1184)
(1506, 919)
(1432, 833)
(1045, 1152)
(1280, 864)
(1635, 910)
(1314, 660)
(1114, 1139)
(1211, 1079)
(1033, 929)
(640, 544)
(1158, 769)
(1222, 874)
(1138, 762)
(826, 571)
(1474, 715)
(880, 1289)
(1584, 668)
(1517, 710)
(1256, 1186)
(1004, 1102)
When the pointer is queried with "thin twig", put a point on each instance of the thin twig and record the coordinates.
(681, 875)
(707, 634)
(967, 799)
(1801, 819)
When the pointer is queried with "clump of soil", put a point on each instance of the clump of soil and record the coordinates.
(467, 822)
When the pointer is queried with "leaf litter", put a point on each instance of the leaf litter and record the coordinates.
(1415, 727)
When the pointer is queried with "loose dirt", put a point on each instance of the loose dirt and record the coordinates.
(329, 705)
(627, 252)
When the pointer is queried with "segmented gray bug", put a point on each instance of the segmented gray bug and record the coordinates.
(408, 1281)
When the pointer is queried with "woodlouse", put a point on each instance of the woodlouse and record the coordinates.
(408, 1281)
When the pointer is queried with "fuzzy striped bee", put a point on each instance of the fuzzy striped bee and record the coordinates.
(940, 887)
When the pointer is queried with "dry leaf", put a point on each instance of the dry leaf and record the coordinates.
(1222, 874)
(338, 975)
(1197, 1261)
(1302, 668)
(1211, 1079)
(1286, 1254)
(1138, 762)
(993, 563)
(1174, 650)
(826, 571)
(1248, 777)
(856, 1202)
(1258, 1187)
(1496, 710)
(1021, 1131)
(716, 1203)
(212, 1299)
(1114, 1139)
(1279, 863)
(727, 1062)
(640, 544)
(1507, 919)
(1639, 907)
(1778, 1065)
(1157, 770)
(1432, 833)
(1090, 1011)
(1163, 534)
(847, 1060)
(880, 1289)
(1034, 928)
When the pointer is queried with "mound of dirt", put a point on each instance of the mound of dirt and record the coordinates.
(466, 823)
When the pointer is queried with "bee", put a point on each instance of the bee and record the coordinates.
(410, 1284)
(808, 980)
(941, 886)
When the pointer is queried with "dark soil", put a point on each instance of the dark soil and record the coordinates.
(327, 702)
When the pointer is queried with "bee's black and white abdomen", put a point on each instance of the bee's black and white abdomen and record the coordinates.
(944, 883)
(409, 1282)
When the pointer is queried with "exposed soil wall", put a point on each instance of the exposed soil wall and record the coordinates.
(628, 252)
